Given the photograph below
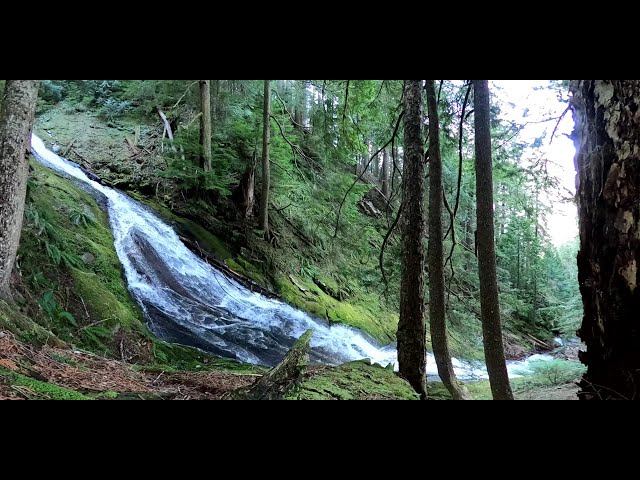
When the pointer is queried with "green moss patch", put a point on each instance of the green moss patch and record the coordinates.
(25, 328)
(354, 312)
(102, 304)
(353, 381)
(35, 389)
(69, 264)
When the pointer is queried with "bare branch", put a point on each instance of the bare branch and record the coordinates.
(557, 124)
(184, 94)
(384, 244)
(395, 131)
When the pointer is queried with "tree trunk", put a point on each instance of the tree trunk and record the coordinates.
(282, 378)
(205, 125)
(518, 264)
(244, 194)
(489, 305)
(385, 174)
(375, 164)
(266, 172)
(17, 114)
(607, 141)
(437, 320)
(412, 353)
(300, 105)
(215, 99)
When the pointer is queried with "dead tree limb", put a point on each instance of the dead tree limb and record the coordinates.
(278, 381)
(364, 170)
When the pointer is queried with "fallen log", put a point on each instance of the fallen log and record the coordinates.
(538, 342)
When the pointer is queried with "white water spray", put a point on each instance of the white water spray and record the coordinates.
(186, 300)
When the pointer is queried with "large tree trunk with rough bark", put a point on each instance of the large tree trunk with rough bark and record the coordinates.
(205, 125)
(266, 171)
(412, 353)
(437, 315)
(607, 139)
(16, 120)
(489, 305)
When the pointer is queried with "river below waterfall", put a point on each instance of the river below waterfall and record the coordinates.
(187, 301)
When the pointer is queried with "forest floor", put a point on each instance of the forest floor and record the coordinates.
(560, 392)
(28, 372)
(49, 373)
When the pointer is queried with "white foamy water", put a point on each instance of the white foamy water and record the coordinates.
(185, 300)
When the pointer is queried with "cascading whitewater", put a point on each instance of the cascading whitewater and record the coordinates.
(187, 301)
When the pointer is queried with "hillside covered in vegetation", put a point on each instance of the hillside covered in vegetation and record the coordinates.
(332, 247)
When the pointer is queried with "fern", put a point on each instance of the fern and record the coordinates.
(53, 252)
(80, 217)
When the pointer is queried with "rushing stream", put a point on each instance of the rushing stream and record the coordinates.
(187, 301)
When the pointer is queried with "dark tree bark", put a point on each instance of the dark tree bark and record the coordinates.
(205, 125)
(607, 139)
(437, 314)
(385, 174)
(266, 171)
(412, 353)
(244, 194)
(16, 121)
(489, 305)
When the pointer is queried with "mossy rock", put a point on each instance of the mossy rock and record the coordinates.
(382, 326)
(353, 381)
(102, 304)
(66, 217)
(243, 267)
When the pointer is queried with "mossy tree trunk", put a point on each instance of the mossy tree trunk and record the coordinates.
(205, 125)
(282, 378)
(607, 139)
(266, 171)
(16, 120)
(437, 314)
(412, 353)
(489, 304)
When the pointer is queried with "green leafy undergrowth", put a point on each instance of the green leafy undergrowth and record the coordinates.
(173, 358)
(550, 373)
(26, 328)
(544, 374)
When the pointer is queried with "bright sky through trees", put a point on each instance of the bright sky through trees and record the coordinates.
(534, 101)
